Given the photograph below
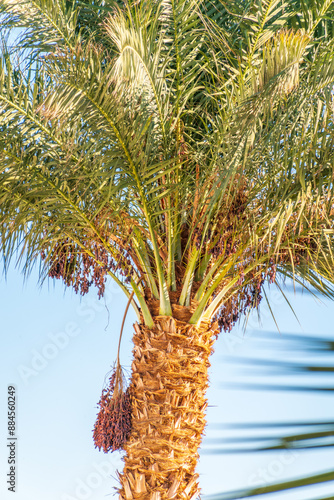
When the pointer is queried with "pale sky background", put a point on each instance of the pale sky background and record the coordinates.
(57, 347)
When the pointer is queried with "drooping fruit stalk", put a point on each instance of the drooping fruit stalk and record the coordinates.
(113, 424)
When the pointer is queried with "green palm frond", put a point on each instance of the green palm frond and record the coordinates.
(46, 23)
(316, 479)
(189, 142)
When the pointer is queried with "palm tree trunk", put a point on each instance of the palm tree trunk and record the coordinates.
(169, 381)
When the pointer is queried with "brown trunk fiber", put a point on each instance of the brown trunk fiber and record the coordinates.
(169, 381)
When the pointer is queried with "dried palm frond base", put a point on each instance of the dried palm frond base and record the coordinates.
(169, 381)
(113, 424)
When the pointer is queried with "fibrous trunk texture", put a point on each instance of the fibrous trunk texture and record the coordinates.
(168, 386)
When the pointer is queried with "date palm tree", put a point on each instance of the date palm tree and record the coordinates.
(183, 148)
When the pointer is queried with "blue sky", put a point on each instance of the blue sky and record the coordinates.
(57, 349)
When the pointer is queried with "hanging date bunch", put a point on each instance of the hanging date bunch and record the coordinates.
(113, 424)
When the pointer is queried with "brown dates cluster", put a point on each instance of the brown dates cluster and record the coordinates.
(113, 424)
(81, 270)
(245, 298)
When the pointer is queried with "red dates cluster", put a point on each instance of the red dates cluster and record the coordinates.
(113, 424)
